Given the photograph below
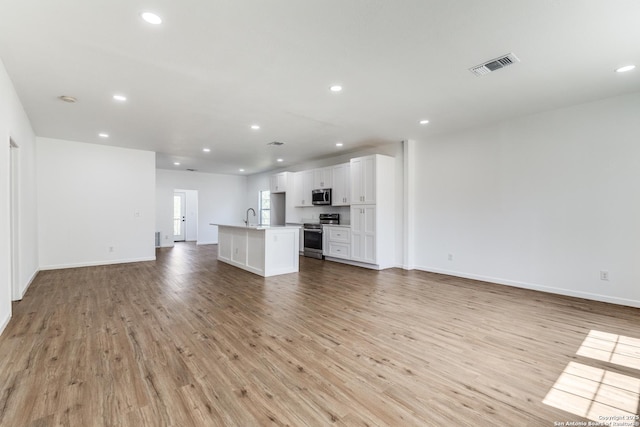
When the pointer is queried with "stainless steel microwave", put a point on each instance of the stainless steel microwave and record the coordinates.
(321, 196)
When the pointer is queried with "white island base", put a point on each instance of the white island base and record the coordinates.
(266, 251)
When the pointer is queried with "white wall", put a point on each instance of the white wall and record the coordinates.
(543, 202)
(92, 198)
(15, 125)
(221, 199)
(255, 184)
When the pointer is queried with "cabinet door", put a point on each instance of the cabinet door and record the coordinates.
(356, 181)
(363, 233)
(273, 187)
(239, 246)
(363, 180)
(338, 250)
(302, 186)
(224, 244)
(278, 183)
(369, 180)
(341, 185)
(322, 178)
(307, 186)
(338, 234)
(297, 189)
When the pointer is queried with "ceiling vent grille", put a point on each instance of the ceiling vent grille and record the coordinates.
(494, 64)
(276, 143)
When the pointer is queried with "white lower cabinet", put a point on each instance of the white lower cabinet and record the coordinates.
(363, 233)
(337, 242)
(339, 250)
(266, 251)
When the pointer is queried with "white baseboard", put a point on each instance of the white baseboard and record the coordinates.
(354, 263)
(535, 287)
(4, 323)
(199, 243)
(96, 263)
(31, 279)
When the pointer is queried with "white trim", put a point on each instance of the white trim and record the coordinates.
(24, 291)
(4, 323)
(409, 198)
(355, 263)
(536, 287)
(199, 243)
(96, 263)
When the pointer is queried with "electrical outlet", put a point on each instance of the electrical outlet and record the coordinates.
(450, 257)
(604, 275)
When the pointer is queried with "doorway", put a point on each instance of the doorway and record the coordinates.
(179, 216)
(14, 214)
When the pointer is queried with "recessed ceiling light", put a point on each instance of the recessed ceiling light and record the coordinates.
(119, 97)
(339, 144)
(625, 68)
(206, 150)
(241, 170)
(336, 88)
(280, 160)
(176, 163)
(151, 18)
(255, 127)
(67, 98)
(424, 122)
(103, 135)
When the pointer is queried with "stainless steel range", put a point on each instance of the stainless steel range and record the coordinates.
(313, 235)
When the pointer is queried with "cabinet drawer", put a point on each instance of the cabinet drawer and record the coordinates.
(339, 235)
(339, 250)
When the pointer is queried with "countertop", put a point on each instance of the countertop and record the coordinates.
(258, 227)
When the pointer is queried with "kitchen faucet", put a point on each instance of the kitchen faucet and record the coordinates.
(246, 221)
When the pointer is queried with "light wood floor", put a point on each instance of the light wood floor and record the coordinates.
(188, 341)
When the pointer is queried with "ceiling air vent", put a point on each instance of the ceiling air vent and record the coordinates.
(276, 143)
(494, 64)
(192, 170)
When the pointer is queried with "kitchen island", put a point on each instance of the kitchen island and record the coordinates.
(263, 250)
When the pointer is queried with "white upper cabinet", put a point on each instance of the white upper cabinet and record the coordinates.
(363, 180)
(322, 178)
(278, 182)
(341, 190)
(302, 186)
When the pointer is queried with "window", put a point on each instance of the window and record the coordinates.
(265, 207)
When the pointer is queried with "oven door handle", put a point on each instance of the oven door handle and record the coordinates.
(312, 231)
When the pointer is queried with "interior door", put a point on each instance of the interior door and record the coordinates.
(179, 216)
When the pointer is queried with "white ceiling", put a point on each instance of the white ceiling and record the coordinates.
(215, 67)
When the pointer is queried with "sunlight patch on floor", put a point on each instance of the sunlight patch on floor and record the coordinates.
(595, 393)
(618, 349)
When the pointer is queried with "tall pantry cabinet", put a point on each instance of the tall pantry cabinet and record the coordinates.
(373, 210)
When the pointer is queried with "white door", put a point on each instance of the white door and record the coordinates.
(179, 216)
